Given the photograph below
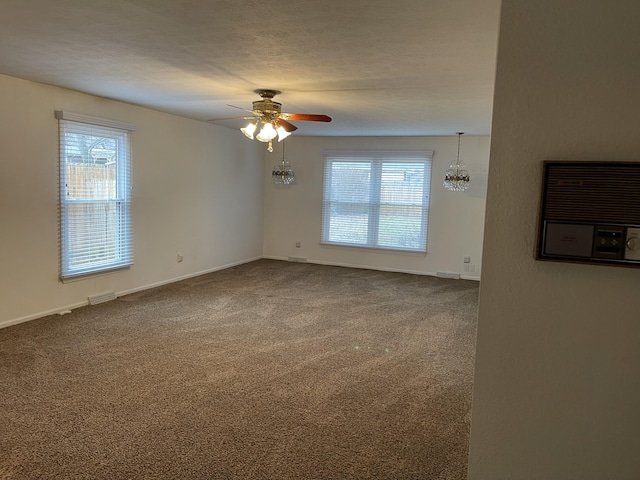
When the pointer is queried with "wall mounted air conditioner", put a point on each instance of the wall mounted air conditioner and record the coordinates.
(590, 213)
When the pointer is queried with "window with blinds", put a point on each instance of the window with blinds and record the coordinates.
(376, 199)
(95, 195)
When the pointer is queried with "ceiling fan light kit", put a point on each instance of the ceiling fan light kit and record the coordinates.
(249, 130)
(269, 120)
(457, 178)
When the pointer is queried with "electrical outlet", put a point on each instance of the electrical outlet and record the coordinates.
(472, 268)
(466, 268)
(298, 244)
(179, 257)
(467, 259)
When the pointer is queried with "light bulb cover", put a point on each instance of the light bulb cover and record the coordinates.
(267, 133)
(249, 130)
(282, 133)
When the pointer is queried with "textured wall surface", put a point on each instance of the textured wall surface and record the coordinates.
(558, 350)
(197, 189)
(456, 219)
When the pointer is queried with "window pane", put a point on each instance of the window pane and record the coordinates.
(93, 234)
(402, 184)
(401, 227)
(94, 198)
(348, 226)
(375, 201)
(401, 199)
(91, 163)
(91, 182)
(346, 206)
(350, 183)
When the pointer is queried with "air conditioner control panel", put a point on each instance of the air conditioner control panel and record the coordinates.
(612, 244)
(632, 244)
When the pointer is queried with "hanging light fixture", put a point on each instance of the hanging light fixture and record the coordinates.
(269, 112)
(457, 177)
(269, 131)
(282, 133)
(282, 173)
(269, 121)
(250, 129)
(266, 133)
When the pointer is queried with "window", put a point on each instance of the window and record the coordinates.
(376, 199)
(95, 195)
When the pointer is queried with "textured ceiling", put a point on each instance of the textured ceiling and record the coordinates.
(378, 67)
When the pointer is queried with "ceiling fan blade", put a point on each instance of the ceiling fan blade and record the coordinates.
(306, 116)
(289, 127)
(229, 118)
(239, 108)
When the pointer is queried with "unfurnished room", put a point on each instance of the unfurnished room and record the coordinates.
(306, 240)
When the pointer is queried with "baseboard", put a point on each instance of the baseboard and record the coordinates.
(35, 316)
(469, 277)
(368, 267)
(185, 277)
(67, 308)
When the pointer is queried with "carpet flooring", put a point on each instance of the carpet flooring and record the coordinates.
(267, 370)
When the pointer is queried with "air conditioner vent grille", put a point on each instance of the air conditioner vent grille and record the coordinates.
(592, 192)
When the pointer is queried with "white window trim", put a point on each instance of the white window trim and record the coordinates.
(376, 158)
(117, 128)
(101, 122)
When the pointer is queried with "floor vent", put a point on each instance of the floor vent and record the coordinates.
(298, 259)
(448, 275)
(101, 298)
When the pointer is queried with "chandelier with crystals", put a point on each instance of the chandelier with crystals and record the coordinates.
(282, 173)
(456, 178)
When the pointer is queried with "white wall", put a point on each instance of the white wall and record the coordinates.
(197, 189)
(557, 383)
(456, 219)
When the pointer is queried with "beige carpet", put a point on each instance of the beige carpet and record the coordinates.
(268, 370)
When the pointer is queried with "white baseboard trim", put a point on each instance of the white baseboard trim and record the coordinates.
(469, 277)
(61, 311)
(66, 308)
(368, 267)
(184, 277)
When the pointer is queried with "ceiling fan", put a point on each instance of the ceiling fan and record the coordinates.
(267, 116)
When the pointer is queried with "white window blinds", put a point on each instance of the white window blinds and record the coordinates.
(95, 195)
(376, 199)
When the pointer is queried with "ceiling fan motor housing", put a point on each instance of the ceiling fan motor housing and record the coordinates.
(267, 106)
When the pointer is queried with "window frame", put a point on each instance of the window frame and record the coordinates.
(376, 161)
(118, 206)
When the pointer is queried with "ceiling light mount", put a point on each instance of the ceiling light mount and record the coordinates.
(266, 93)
